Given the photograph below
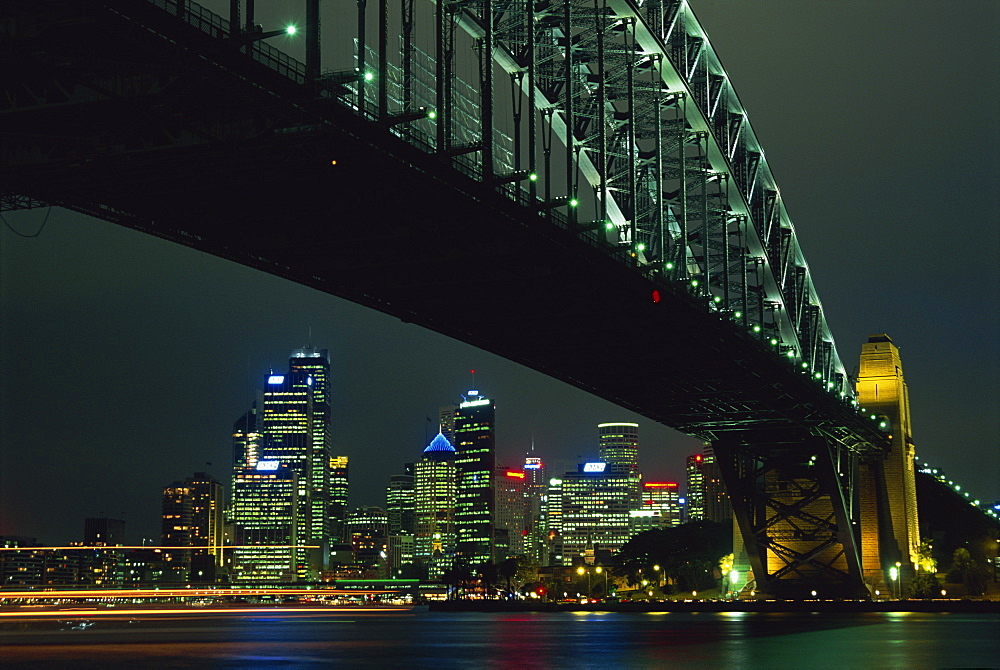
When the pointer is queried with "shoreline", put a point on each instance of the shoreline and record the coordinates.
(805, 606)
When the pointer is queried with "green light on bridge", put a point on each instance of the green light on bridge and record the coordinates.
(574, 202)
(756, 329)
(369, 76)
(694, 282)
(669, 266)
(291, 30)
(641, 247)
(804, 364)
(738, 315)
(774, 342)
(533, 177)
(716, 299)
(432, 114)
(609, 226)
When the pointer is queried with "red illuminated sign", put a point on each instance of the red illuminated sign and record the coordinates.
(661, 485)
(519, 475)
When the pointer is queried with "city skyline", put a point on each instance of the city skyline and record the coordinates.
(152, 350)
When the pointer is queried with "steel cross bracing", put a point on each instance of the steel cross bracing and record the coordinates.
(629, 131)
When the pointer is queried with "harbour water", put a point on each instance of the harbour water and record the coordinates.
(421, 639)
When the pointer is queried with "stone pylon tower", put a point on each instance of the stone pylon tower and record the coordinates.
(888, 497)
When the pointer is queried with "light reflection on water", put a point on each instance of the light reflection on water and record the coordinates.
(522, 640)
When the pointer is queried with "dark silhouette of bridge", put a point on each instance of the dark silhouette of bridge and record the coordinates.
(593, 205)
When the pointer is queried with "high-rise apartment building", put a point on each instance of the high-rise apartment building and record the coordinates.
(315, 365)
(399, 502)
(435, 481)
(551, 521)
(475, 462)
(103, 532)
(535, 484)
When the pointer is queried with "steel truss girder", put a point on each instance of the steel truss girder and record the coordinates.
(792, 499)
(591, 55)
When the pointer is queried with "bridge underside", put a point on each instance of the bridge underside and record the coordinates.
(153, 135)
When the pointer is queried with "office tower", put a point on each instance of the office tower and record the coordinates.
(890, 532)
(695, 488)
(595, 511)
(446, 422)
(660, 506)
(475, 462)
(535, 484)
(400, 507)
(717, 506)
(511, 513)
(551, 521)
(368, 530)
(102, 532)
(618, 446)
(265, 511)
(399, 502)
(192, 517)
(339, 489)
(315, 364)
(247, 439)
(435, 498)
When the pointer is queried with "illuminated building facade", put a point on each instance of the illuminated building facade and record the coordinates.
(247, 439)
(618, 446)
(265, 511)
(192, 516)
(475, 463)
(339, 489)
(314, 364)
(890, 531)
(435, 483)
(717, 506)
(595, 511)
(535, 485)
(511, 513)
(695, 487)
(661, 504)
(368, 530)
(103, 532)
(400, 506)
(551, 521)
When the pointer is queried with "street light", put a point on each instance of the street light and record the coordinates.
(580, 571)
(599, 571)
(657, 569)
(894, 575)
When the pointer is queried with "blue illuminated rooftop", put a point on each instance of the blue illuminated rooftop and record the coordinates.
(439, 443)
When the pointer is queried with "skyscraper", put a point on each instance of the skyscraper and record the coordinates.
(695, 488)
(618, 446)
(595, 511)
(192, 517)
(475, 462)
(660, 506)
(265, 511)
(435, 498)
(339, 490)
(289, 424)
(511, 513)
(315, 365)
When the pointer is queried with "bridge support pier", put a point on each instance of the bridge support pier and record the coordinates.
(791, 506)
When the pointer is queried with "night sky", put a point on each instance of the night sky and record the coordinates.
(126, 359)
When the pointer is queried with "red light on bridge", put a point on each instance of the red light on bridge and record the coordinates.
(656, 295)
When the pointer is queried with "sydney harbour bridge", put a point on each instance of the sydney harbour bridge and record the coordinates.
(571, 184)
